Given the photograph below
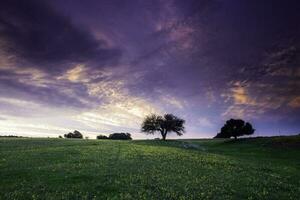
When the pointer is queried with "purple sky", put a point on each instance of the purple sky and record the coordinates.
(101, 66)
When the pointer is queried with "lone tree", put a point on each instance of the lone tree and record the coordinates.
(235, 128)
(163, 124)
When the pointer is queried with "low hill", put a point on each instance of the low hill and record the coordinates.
(252, 168)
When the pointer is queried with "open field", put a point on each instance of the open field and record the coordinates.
(261, 168)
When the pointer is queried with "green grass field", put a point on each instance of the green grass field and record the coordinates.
(261, 168)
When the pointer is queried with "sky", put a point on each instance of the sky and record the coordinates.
(101, 66)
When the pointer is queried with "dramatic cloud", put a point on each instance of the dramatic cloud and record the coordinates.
(32, 30)
(101, 66)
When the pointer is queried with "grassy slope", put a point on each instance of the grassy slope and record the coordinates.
(263, 168)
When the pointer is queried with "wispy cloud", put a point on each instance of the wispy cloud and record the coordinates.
(172, 101)
(295, 102)
(103, 66)
(204, 122)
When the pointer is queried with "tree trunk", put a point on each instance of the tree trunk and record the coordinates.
(164, 134)
(235, 137)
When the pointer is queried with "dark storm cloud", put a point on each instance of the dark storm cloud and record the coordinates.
(251, 43)
(211, 58)
(35, 32)
(237, 35)
(196, 8)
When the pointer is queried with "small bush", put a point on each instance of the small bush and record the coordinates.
(102, 137)
(75, 134)
(120, 136)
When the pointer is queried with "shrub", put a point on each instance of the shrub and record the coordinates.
(120, 136)
(102, 137)
(75, 134)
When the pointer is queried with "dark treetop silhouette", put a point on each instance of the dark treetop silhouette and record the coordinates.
(163, 124)
(116, 136)
(75, 134)
(101, 137)
(235, 128)
(120, 136)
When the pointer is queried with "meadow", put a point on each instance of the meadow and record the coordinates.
(259, 168)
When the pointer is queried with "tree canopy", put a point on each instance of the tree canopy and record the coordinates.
(120, 136)
(235, 128)
(101, 137)
(75, 134)
(163, 124)
(115, 136)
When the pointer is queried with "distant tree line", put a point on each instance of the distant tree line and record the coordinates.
(116, 136)
(11, 136)
(171, 123)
